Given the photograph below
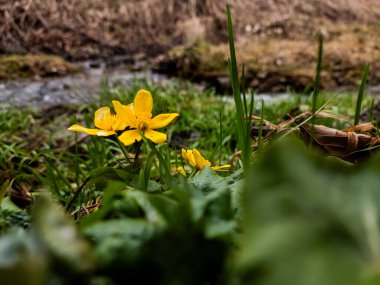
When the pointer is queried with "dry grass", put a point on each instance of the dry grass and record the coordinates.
(80, 29)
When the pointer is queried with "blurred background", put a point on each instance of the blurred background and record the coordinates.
(299, 219)
(277, 40)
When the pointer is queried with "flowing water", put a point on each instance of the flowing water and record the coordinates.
(85, 86)
(74, 89)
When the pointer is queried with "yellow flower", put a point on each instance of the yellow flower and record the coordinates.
(181, 170)
(196, 160)
(106, 123)
(138, 116)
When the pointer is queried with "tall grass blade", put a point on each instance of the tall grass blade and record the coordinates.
(372, 107)
(361, 94)
(318, 70)
(146, 172)
(260, 135)
(243, 141)
(243, 90)
(164, 165)
(220, 134)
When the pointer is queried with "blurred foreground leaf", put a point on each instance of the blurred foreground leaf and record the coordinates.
(310, 220)
(22, 260)
(181, 236)
(69, 253)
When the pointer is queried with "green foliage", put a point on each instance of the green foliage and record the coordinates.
(117, 218)
(181, 236)
(52, 251)
(161, 238)
(309, 220)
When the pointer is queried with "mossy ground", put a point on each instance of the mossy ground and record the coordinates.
(34, 65)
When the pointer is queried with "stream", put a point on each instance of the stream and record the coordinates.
(73, 89)
(85, 86)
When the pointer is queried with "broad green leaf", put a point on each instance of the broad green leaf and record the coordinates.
(60, 237)
(22, 259)
(119, 241)
(309, 220)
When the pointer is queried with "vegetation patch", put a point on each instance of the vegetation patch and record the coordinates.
(32, 66)
(275, 64)
(164, 185)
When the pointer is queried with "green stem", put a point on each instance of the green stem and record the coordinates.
(193, 172)
(123, 149)
(138, 151)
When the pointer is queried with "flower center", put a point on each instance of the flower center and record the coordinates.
(142, 126)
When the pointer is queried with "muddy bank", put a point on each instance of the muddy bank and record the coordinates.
(274, 65)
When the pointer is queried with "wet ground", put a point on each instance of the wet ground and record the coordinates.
(73, 89)
(85, 86)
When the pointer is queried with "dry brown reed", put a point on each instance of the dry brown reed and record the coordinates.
(80, 29)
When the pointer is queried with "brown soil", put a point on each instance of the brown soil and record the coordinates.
(276, 38)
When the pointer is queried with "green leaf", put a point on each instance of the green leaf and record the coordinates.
(309, 220)
(207, 180)
(4, 189)
(60, 237)
(119, 241)
(22, 259)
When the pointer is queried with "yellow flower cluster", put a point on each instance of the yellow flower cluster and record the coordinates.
(134, 119)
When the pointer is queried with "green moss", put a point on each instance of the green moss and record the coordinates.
(29, 66)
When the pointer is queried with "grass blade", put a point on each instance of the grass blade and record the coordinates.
(243, 140)
(361, 94)
(260, 136)
(371, 110)
(317, 81)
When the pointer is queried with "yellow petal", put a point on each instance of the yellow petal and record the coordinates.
(222, 167)
(155, 137)
(119, 125)
(103, 119)
(125, 114)
(93, 132)
(184, 154)
(181, 170)
(189, 157)
(129, 137)
(143, 104)
(162, 120)
(200, 161)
